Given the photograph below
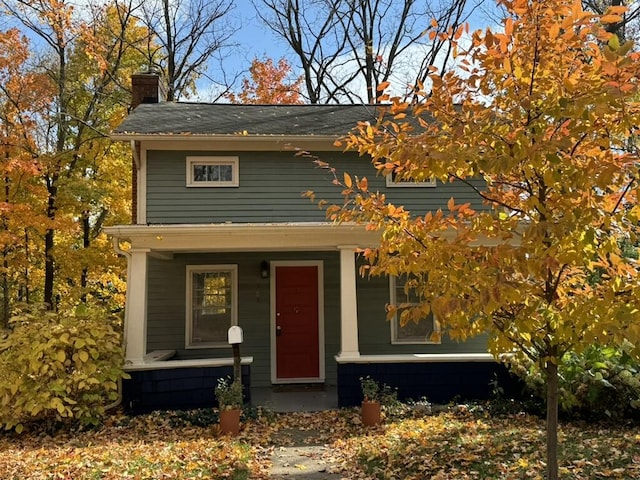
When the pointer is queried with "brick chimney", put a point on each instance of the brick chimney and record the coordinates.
(145, 88)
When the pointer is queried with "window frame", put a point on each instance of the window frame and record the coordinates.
(233, 161)
(190, 270)
(394, 322)
(392, 183)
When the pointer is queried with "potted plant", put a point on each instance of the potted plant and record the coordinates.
(371, 401)
(229, 395)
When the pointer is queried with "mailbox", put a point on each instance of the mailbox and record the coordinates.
(234, 335)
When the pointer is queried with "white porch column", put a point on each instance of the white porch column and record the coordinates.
(135, 318)
(348, 304)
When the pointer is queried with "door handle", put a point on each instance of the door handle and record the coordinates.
(278, 330)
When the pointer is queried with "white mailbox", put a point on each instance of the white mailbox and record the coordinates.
(234, 335)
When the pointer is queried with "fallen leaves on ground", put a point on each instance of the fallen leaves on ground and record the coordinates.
(453, 444)
(462, 445)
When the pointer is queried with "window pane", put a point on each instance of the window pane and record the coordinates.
(211, 306)
(420, 331)
(212, 173)
(199, 173)
(411, 332)
(226, 173)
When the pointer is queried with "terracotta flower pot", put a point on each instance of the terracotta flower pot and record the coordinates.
(230, 421)
(370, 413)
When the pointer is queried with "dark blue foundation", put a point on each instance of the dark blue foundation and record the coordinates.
(177, 388)
(438, 382)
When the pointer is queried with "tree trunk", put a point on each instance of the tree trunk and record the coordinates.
(552, 420)
(49, 268)
(86, 243)
(5, 289)
(5, 257)
(26, 297)
(49, 239)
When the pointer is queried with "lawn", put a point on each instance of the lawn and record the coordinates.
(456, 443)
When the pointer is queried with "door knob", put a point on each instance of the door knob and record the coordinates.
(278, 330)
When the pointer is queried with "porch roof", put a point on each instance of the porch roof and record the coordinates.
(244, 236)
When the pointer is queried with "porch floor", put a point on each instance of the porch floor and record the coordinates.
(292, 398)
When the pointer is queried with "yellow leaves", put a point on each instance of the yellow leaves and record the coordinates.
(83, 356)
(506, 64)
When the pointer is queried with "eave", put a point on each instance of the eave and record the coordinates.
(231, 141)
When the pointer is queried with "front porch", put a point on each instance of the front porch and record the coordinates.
(354, 337)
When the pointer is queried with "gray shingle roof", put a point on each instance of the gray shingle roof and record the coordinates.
(223, 119)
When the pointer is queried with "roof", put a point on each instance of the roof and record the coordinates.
(173, 118)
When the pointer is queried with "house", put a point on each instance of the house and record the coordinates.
(221, 236)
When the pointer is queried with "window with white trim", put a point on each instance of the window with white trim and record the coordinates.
(412, 332)
(213, 172)
(212, 304)
(392, 180)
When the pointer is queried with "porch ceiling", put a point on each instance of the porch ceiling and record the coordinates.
(244, 237)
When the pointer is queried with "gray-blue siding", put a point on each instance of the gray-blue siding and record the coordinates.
(167, 305)
(271, 187)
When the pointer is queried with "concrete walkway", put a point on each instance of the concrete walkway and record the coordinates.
(301, 455)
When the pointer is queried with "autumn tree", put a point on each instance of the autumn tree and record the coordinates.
(85, 61)
(268, 84)
(22, 95)
(346, 48)
(544, 112)
(105, 55)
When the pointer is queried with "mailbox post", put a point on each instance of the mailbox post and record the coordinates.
(234, 336)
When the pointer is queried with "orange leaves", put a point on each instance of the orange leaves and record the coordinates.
(383, 86)
(347, 180)
(269, 84)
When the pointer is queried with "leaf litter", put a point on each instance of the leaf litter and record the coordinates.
(455, 443)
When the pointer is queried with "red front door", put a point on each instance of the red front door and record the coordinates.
(297, 327)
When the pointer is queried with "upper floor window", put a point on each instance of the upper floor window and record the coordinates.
(212, 304)
(393, 181)
(411, 332)
(212, 172)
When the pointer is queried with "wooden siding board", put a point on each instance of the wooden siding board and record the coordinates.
(271, 186)
(374, 331)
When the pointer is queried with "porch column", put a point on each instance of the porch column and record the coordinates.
(348, 304)
(135, 318)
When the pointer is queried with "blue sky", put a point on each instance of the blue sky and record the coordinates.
(254, 39)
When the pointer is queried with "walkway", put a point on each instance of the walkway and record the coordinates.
(300, 451)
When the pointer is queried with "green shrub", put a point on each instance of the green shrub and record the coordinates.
(599, 382)
(59, 366)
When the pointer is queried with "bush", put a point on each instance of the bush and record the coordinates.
(599, 382)
(59, 366)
